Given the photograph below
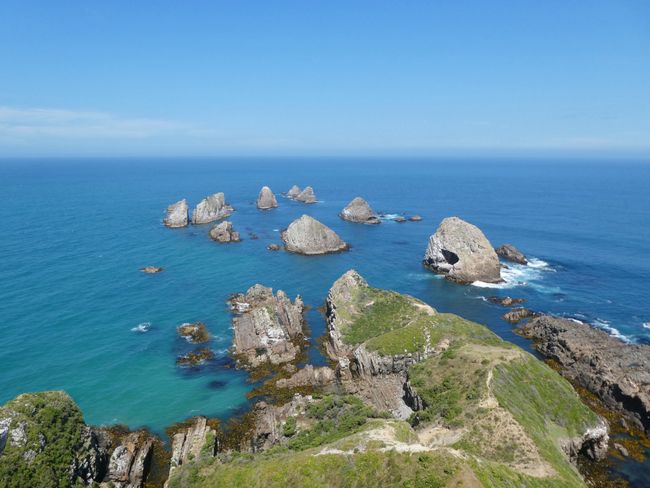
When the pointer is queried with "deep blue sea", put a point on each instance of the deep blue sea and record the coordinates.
(73, 234)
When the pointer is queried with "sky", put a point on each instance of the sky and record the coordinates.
(308, 77)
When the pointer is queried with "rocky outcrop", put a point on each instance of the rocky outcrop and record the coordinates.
(43, 437)
(266, 199)
(505, 301)
(274, 247)
(293, 192)
(177, 214)
(308, 236)
(271, 421)
(516, 315)
(306, 196)
(224, 233)
(267, 328)
(152, 269)
(593, 443)
(461, 252)
(195, 358)
(195, 333)
(309, 376)
(211, 208)
(192, 443)
(415, 218)
(511, 253)
(358, 211)
(618, 373)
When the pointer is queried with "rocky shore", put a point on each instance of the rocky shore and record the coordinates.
(616, 372)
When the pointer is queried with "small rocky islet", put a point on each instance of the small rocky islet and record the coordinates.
(403, 379)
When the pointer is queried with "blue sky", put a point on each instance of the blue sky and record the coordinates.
(324, 77)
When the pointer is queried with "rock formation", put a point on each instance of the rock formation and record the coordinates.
(511, 253)
(152, 269)
(516, 315)
(309, 376)
(293, 192)
(223, 232)
(176, 214)
(274, 247)
(196, 333)
(267, 328)
(307, 235)
(211, 208)
(461, 252)
(618, 373)
(195, 358)
(359, 211)
(129, 463)
(415, 218)
(192, 443)
(306, 196)
(505, 301)
(266, 199)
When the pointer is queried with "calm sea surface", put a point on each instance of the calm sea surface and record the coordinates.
(73, 234)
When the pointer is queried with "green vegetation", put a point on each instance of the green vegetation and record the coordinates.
(54, 431)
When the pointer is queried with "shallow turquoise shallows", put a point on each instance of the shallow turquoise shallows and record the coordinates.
(76, 314)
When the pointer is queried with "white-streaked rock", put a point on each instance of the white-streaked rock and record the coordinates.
(211, 208)
(177, 214)
(308, 236)
(266, 199)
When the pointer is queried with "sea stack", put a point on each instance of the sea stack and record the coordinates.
(308, 236)
(211, 208)
(511, 253)
(294, 191)
(266, 199)
(307, 195)
(461, 252)
(224, 232)
(177, 214)
(358, 211)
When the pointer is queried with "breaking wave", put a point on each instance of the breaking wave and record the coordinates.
(142, 327)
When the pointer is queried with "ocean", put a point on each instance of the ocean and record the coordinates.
(76, 314)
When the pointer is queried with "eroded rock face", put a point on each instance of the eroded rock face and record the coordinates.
(516, 315)
(306, 196)
(177, 214)
(461, 252)
(130, 461)
(359, 211)
(593, 444)
(309, 376)
(293, 192)
(618, 373)
(270, 420)
(511, 253)
(308, 236)
(505, 301)
(266, 199)
(211, 208)
(267, 327)
(192, 443)
(196, 332)
(224, 233)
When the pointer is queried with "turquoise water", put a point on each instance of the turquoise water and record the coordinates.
(75, 233)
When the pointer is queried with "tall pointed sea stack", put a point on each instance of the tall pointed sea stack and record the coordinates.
(266, 199)
(359, 211)
(176, 214)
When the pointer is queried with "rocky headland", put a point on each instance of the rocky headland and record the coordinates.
(616, 372)
(266, 199)
(176, 214)
(211, 208)
(461, 252)
(359, 211)
(268, 328)
(308, 236)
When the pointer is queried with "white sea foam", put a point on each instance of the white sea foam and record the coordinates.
(646, 325)
(607, 327)
(523, 275)
(389, 216)
(142, 328)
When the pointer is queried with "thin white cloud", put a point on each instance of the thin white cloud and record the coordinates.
(46, 122)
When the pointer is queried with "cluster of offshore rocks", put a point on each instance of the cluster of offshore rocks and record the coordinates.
(392, 352)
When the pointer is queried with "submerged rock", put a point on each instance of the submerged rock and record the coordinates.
(308, 236)
(415, 218)
(505, 301)
(306, 196)
(267, 327)
(177, 214)
(211, 208)
(461, 252)
(266, 199)
(617, 372)
(400, 219)
(274, 247)
(511, 253)
(196, 333)
(223, 232)
(359, 211)
(152, 269)
(195, 358)
(293, 192)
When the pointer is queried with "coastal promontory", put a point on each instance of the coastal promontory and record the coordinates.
(308, 236)
(461, 252)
